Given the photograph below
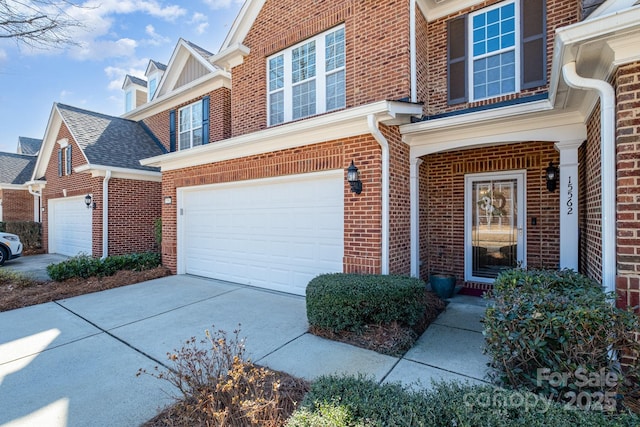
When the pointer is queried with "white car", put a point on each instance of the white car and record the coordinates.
(10, 247)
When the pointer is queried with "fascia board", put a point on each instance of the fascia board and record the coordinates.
(328, 127)
(243, 23)
(13, 187)
(122, 173)
(204, 84)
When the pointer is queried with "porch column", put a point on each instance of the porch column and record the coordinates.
(568, 202)
(414, 200)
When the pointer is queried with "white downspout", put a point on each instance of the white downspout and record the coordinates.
(608, 170)
(384, 145)
(415, 214)
(105, 214)
(412, 51)
(37, 195)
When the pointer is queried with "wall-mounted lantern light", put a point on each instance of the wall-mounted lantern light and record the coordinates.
(168, 200)
(551, 174)
(88, 200)
(353, 177)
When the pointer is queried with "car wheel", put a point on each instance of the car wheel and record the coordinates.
(3, 255)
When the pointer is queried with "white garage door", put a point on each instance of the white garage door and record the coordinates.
(273, 233)
(69, 226)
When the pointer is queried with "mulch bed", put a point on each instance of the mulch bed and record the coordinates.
(391, 339)
(16, 295)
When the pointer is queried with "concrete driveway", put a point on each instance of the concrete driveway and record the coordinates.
(34, 265)
(73, 362)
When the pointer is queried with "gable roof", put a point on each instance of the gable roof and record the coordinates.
(189, 62)
(129, 80)
(109, 141)
(154, 65)
(16, 169)
(29, 146)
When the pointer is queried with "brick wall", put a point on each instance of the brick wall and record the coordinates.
(627, 86)
(219, 117)
(17, 205)
(362, 213)
(559, 13)
(442, 204)
(133, 204)
(376, 41)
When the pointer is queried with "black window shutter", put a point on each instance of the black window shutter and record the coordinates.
(60, 162)
(534, 47)
(68, 159)
(205, 120)
(457, 60)
(172, 130)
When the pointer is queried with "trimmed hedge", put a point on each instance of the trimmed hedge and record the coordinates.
(350, 301)
(552, 332)
(30, 232)
(86, 266)
(358, 401)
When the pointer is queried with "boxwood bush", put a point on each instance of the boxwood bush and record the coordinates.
(556, 333)
(350, 301)
(86, 266)
(358, 401)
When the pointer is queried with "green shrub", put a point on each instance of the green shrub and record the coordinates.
(554, 333)
(85, 266)
(349, 401)
(350, 301)
(30, 232)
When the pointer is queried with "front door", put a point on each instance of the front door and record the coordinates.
(494, 224)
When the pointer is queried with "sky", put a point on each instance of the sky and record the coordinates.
(117, 37)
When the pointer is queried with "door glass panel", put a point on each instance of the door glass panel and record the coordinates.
(494, 228)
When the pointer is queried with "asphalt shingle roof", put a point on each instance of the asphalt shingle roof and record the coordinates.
(159, 66)
(137, 80)
(29, 146)
(202, 52)
(16, 168)
(110, 141)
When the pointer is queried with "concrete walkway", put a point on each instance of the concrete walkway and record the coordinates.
(34, 266)
(73, 362)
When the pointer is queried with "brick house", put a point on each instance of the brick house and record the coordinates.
(454, 113)
(96, 198)
(16, 203)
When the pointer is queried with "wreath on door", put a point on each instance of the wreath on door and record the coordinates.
(492, 202)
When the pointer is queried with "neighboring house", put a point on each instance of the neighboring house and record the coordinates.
(28, 146)
(16, 203)
(96, 197)
(453, 112)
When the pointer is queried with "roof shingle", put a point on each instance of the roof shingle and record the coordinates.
(16, 168)
(29, 146)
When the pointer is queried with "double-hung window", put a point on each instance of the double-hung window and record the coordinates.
(497, 50)
(190, 126)
(494, 52)
(308, 78)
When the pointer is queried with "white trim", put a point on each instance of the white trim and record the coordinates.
(191, 129)
(121, 173)
(105, 215)
(326, 127)
(243, 23)
(521, 179)
(230, 57)
(435, 9)
(414, 195)
(13, 187)
(384, 146)
(63, 143)
(180, 191)
(515, 49)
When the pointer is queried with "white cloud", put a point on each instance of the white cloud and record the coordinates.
(221, 4)
(101, 49)
(116, 74)
(155, 38)
(64, 94)
(201, 22)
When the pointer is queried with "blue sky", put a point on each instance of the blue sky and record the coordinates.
(119, 37)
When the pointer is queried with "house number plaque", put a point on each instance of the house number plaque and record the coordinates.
(569, 197)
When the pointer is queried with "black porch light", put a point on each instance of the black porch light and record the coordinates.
(551, 174)
(353, 177)
(88, 200)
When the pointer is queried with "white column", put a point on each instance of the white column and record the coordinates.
(568, 203)
(414, 189)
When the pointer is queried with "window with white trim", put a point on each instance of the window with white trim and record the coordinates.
(151, 87)
(128, 101)
(308, 78)
(494, 47)
(190, 126)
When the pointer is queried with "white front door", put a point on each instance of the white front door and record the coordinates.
(494, 224)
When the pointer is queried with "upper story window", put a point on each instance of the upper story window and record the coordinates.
(308, 78)
(495, 51)
(152, 86)
(190, 126)
(128, 101)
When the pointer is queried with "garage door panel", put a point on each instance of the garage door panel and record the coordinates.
(275, 234)
(69, 226)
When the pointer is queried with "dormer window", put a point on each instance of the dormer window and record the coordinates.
(308, 78)
(152, 86)
(128, 100)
